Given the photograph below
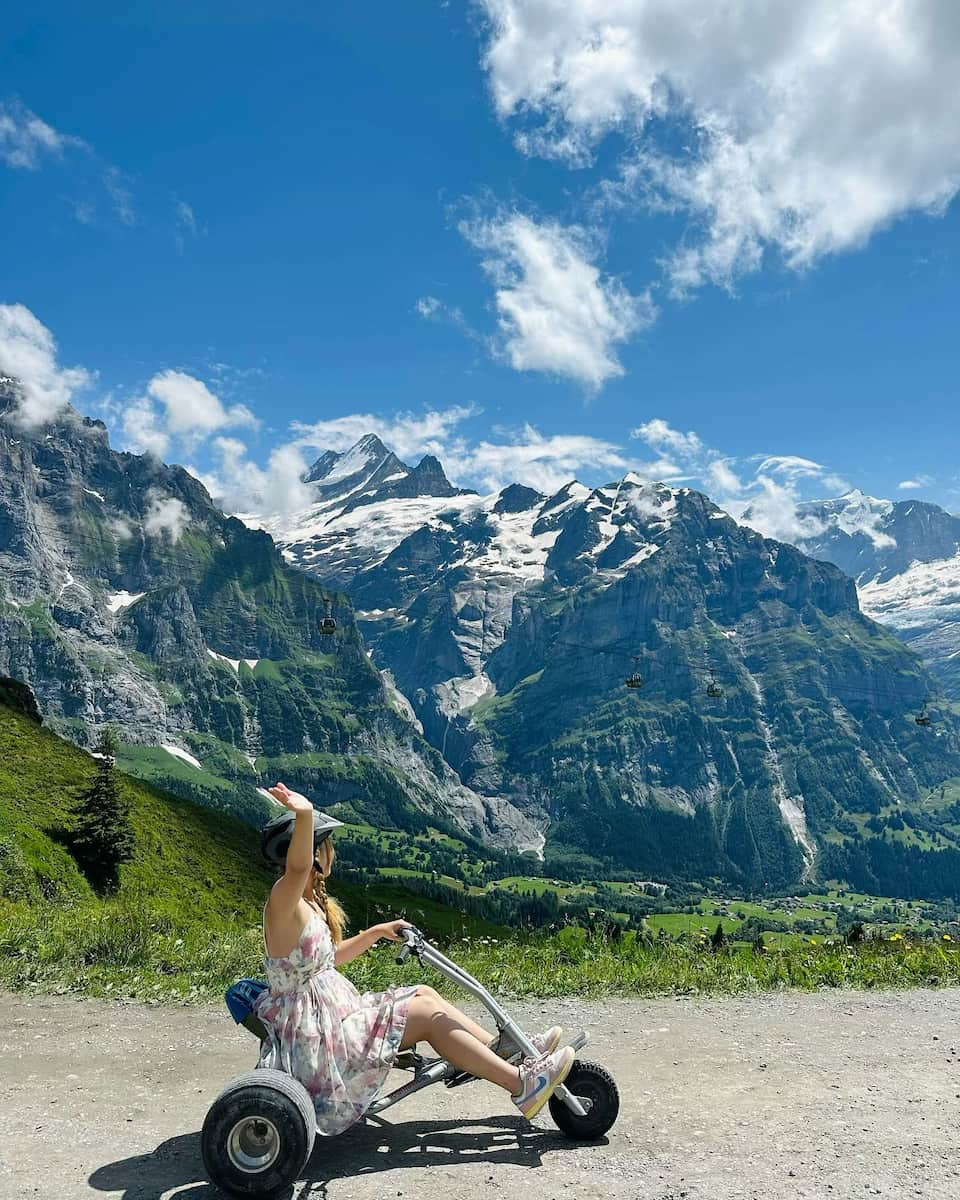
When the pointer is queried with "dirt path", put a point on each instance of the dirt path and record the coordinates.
(831, 1095)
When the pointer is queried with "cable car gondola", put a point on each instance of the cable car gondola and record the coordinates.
(635, 679)
(327, 625)
(714, 690)
(922, 718)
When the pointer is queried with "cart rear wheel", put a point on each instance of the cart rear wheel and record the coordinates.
(596, 1089)
(258, 1135)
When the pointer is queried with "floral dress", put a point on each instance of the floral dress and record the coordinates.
(321, 1030)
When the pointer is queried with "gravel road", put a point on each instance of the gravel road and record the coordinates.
(766, 1098)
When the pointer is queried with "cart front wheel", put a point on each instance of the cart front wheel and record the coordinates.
(596, 1089)
(258, 1135)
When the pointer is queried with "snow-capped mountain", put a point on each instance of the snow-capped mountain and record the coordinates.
(509, 621)
(905, 558)
(874, 540)
(390, 535)
(128, 598)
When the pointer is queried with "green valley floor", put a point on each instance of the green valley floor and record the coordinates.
(775, 1097)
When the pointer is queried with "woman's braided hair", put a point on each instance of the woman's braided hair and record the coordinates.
(335, 917)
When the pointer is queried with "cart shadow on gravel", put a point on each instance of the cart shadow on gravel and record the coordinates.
(377, 1145)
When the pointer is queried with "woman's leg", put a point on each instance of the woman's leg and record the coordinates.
(478, 1031)
(432, 1019)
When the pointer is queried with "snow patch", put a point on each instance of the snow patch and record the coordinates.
(69, 581)
(116, 601)
(641, 555)
(356, 459)
(182, 754)
(461, 693)
(400, 701)
(791, 807)
(234, 662)
(91, 492)
(922, 595)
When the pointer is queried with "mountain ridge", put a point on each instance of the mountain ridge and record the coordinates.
(491, 611)
(127, 597)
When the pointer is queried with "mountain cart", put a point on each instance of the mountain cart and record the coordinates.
(260, 1131)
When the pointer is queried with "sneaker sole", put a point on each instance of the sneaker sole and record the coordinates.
(517, 1055)
(548, 1092)
(555, 1042)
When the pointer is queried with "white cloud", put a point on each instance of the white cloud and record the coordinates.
(242, 486)
(438, 311)
(556, 312)
(83, 211)
(658, 434)
(798, 128)
(683, 456)
(921, 481)
(190, 410)
(429, 307)
(721, 478)
(25, 139)
(186, 218)
(28, 352)
(121, 528)
(646, 505)
(771, 508)
(791, 466)
(546, 463)
(764, 491)
(141, 425)
(118, 188)
(176, 407)
(186, 224)
(165, 515)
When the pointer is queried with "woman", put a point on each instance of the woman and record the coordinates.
(339, 1044)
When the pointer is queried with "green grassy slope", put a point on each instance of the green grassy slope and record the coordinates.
(194, 869)
(190, 863)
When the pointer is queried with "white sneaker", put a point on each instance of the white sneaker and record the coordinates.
(539, 1078)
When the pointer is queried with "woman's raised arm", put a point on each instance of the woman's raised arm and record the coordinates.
(288, 890)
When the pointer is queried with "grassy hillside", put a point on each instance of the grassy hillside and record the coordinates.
(190, 864)
(191, 897)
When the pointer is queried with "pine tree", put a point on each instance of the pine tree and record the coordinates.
(718, 939)
(102, 836)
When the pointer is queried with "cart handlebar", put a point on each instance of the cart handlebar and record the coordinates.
(412, 943)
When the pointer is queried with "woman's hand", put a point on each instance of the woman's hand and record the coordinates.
(360, 943)
(391, 930)
(292, 800)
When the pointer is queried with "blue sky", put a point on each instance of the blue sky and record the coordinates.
(502, 232)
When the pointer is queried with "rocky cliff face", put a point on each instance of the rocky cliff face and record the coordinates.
(127, 597)
(905, 557)
(773, 717)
